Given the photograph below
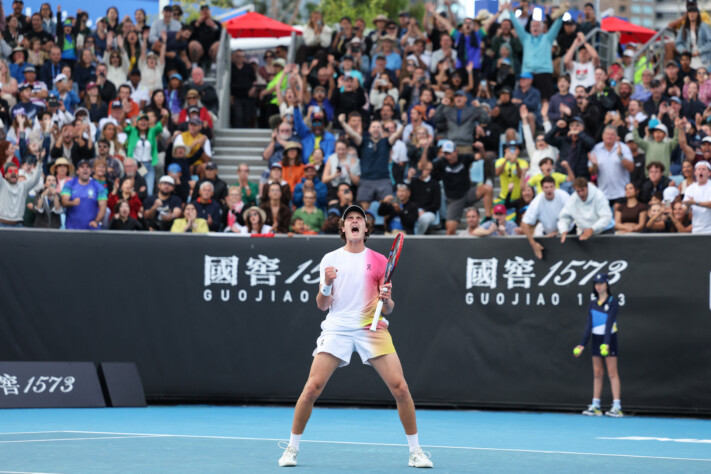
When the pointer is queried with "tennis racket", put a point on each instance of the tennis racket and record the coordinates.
(393, 257)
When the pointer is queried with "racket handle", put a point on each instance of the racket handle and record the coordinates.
(378, 309)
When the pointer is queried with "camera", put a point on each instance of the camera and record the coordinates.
(53, 103)
(355, 48)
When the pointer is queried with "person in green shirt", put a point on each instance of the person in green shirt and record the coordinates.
(268, 95)
(250, 190)
(658, 149)
(312, 216)
(546, 165)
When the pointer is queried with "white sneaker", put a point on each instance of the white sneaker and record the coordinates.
(288, 459)
(592, 411)
(615, 412)
(420, 458)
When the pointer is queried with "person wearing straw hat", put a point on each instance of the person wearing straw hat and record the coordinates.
(254, 218)
(371, 41)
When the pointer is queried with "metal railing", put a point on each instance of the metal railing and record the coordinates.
(654, 50)
(223, 80)
(605, 43)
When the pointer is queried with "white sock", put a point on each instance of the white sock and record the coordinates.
(294, 440)
(596, 402)
(413, 441)
(616, 404)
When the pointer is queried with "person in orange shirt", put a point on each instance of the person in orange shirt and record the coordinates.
(292, 166)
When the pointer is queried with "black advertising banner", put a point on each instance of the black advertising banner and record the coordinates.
(478, 322)
(49, 385)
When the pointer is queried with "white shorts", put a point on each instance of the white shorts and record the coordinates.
(367, 343)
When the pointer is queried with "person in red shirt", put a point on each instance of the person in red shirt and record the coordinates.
(125, 191)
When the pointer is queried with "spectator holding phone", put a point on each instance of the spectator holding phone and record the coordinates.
(48, 206)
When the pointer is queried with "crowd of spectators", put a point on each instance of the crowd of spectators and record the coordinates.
(418, 120)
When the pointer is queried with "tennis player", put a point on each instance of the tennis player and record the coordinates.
(351, 284)
(602, 316)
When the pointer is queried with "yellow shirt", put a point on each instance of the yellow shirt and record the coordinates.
(509, 175)
(559, 178)
(200, 226)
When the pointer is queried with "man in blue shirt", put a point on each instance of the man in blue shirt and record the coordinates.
(527, 95)
(84, 200)
(374, 154)
(537, 58)
(310, 182)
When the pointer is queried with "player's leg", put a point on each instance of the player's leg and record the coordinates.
(613, 375)
(322, 368)
(390, 370)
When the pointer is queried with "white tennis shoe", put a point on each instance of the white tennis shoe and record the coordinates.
(420, 458)
(288, 459)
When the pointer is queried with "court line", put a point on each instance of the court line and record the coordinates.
(647, 438)
(75, 439)
(473, 448)
(26, 472)
(29, 432)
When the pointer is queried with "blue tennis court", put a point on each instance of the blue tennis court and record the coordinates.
(215, 439)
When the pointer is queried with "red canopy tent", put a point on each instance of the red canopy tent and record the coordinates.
(254, 25)
(629, 32)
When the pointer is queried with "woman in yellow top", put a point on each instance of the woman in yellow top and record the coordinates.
(509, 169)
(190, 222)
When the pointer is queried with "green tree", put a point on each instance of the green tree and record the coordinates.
(334, 10)
(191, 9)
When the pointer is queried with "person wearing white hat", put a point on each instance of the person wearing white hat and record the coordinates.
(63, 91)
(658, 149)
(698, 197)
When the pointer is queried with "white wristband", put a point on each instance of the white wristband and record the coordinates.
(326, 290)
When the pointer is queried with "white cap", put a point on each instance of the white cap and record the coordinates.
(167, 179)
(629, 137)
(629, 53)
(703, 164)
(670, 193)
(706, 140)
(447, 146)
(661, 127)
(60, 77)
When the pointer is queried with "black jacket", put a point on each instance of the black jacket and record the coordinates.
(575, 153)
(408, 214)
(427, 195)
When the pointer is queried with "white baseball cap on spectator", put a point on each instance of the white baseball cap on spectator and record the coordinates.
(703, 164)
(629, 53)
(60, 77)
(447, 146)
(629, 137)
(671, 192)
(167, 179)
(662, 128)
(706, 140)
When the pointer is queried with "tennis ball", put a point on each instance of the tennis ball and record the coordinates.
(577, 351)
(604, 350)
